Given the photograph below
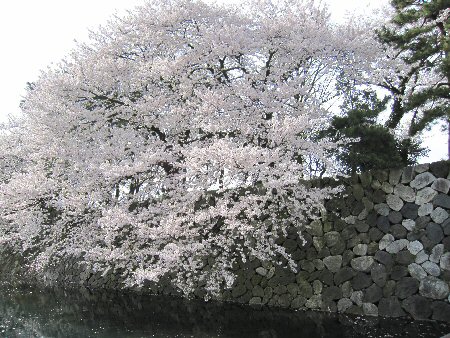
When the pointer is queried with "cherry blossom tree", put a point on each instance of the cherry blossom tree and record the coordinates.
(173, 142)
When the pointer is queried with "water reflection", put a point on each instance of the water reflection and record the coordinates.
(26, 312)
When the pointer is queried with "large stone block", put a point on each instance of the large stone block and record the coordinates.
(338, 248)
(318, 264)
(440, 168)
(318, 243)
(363, 214)
(387, 188)
(441, 311)
(317, 287)
(282, 276)
(385, 241)
(441, 185)
(304, 288)
(378, 274)
(384, 258)
(421, 168)
(358, 192)
(389, 288)
(361, 281)
(416, 271)
(406, 287)
(238, 291)
(395, 217)
(285, 300)
(332, 238)
(404, 257)
(307, 265)
(360, 249)
(390, 307)
(279, 289)
(343, 304)
(315, 302)
(432, 287)
(422, 222)
(446, 227)
(357, 297)
(414, 247)
(394, 202)
(425, 209)
(255, 301)
(298, 302)
(261, 271)
(406, 193)
(410, 211)
(315, 228)
(415, 235)
(362, 226)
(436, 253)
(444, 261)
(431, 268)
(258, 291)
(366, 179)
(347, 289)
(395, 175)
(362, 263)
(372, 294)
(347, 256)
(331, 293)
(372, 248)
(368, 204)
(326, 277)
(397, 245)
(428, 244)
(383, 224)
(408, 175)
(439, 215)
(442, 200)
(370, 309)
(422, 180)
(425, 195)
(382, 209)
(409, 224)
(379, 196)
(333, 263)
(398, 272)
(372, 218)
(348, 232)
(325, 252)
(434, 233)
(418, 307)
(375, 234)
(256, 279)
(268, 292)
(446, 242)
(292, 289)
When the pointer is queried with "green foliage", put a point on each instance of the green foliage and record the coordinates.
(419, 34)
(373, 146)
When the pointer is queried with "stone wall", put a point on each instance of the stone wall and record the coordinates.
(382, 249)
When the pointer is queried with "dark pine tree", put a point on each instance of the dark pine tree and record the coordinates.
(373, 145)
(419, 33)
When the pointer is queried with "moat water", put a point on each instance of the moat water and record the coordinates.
(26, 312)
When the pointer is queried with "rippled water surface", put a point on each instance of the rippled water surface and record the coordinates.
(27, 312)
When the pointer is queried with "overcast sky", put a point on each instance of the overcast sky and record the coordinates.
(35, 33)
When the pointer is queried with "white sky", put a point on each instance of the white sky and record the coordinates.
(33, 34)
